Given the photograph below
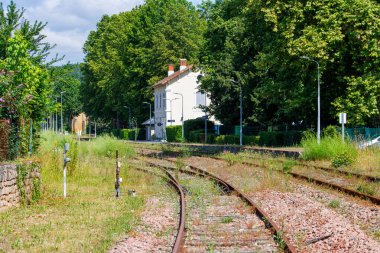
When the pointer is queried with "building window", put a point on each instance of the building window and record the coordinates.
(200, 98)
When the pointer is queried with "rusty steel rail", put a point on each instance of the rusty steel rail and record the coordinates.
(269, 223)
(180, 237)
(343, 172)
(351, 192)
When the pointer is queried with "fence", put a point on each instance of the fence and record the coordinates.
(361, 133)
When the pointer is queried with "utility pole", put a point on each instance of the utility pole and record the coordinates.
(62, 112)
(150, 119)
(319, 99)
(182, 119)
(241, 110)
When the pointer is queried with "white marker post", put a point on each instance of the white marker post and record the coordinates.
(65, 161)
(342, 120)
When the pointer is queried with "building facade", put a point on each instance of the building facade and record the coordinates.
(178, 88)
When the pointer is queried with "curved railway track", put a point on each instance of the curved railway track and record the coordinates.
(230, 190)
(316, 180)
(180, 236)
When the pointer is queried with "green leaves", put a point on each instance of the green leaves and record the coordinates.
(129, 52)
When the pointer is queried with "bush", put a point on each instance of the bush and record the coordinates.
(235, 139)
(174, 133)
(280, 138)
(130, 134)
(198, 136)
(328, 149)
(343, 159)
(197, 124)
(330, 131)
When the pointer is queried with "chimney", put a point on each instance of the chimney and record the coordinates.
(171, 69)
(182, 64)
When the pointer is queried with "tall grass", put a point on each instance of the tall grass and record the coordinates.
(90, 219)
(329, 148)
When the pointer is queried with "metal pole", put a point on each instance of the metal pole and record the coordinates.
(62, 112)
(117, 183)
(183, 129)
(150, 121)
(205, 118)
(319, 108)
(65, 161)
(56, 117)
(95, 128)
(241, 116)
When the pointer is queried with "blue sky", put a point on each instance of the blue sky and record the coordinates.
(70, 21)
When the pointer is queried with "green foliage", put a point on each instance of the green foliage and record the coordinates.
(260, 44)
(366, 189)
(235, 139)
(288, 165)
(106, 146)
(198, 136)
(130, 134)
(330, 131)
(12, 21)
(130, 51)
(230, 158)
(343, 159)
(227, 219)
(197, 124)
(334, 203)
(174, 133)
(328, 149)
(280, 138)
(66, 79)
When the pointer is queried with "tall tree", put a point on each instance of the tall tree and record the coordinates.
(130, 51)
(260, 43)
(11, 20)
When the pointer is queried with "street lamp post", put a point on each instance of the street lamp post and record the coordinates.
(129, 116)
(241, 111)
(150, 118)
(171, 109)
(61, 112)
(183, 130)
(319, 99)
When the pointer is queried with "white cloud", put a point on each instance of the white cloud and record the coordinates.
(70, 21)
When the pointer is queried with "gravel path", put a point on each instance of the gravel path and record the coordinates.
(156, 233)
(304, 213)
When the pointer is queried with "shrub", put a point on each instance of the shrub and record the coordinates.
(197, 124)
(174, 133)
(280, 138)
(198, 136)
(328, 149)
(343, 159)
(235, 139)
(330, 131)
(366, 189)
(130, 134)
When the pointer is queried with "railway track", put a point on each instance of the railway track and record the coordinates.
(328, 180)
(227, 221)
(180, 235)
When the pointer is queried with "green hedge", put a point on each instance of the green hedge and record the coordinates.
(235, 139)
(197, 124)
(280, 138)
(174, 133)
(130, 134)
(198, 136)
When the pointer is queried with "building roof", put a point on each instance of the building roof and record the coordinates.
(151, 121)
(172, 76)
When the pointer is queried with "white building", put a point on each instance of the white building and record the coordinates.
(168, 101)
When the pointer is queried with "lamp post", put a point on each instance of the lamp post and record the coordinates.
(183, 131)
(171, 109)
(241, 111)
(319, 99)
(150, 118)
(129, 116)
(56, 117)
(61, 112)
